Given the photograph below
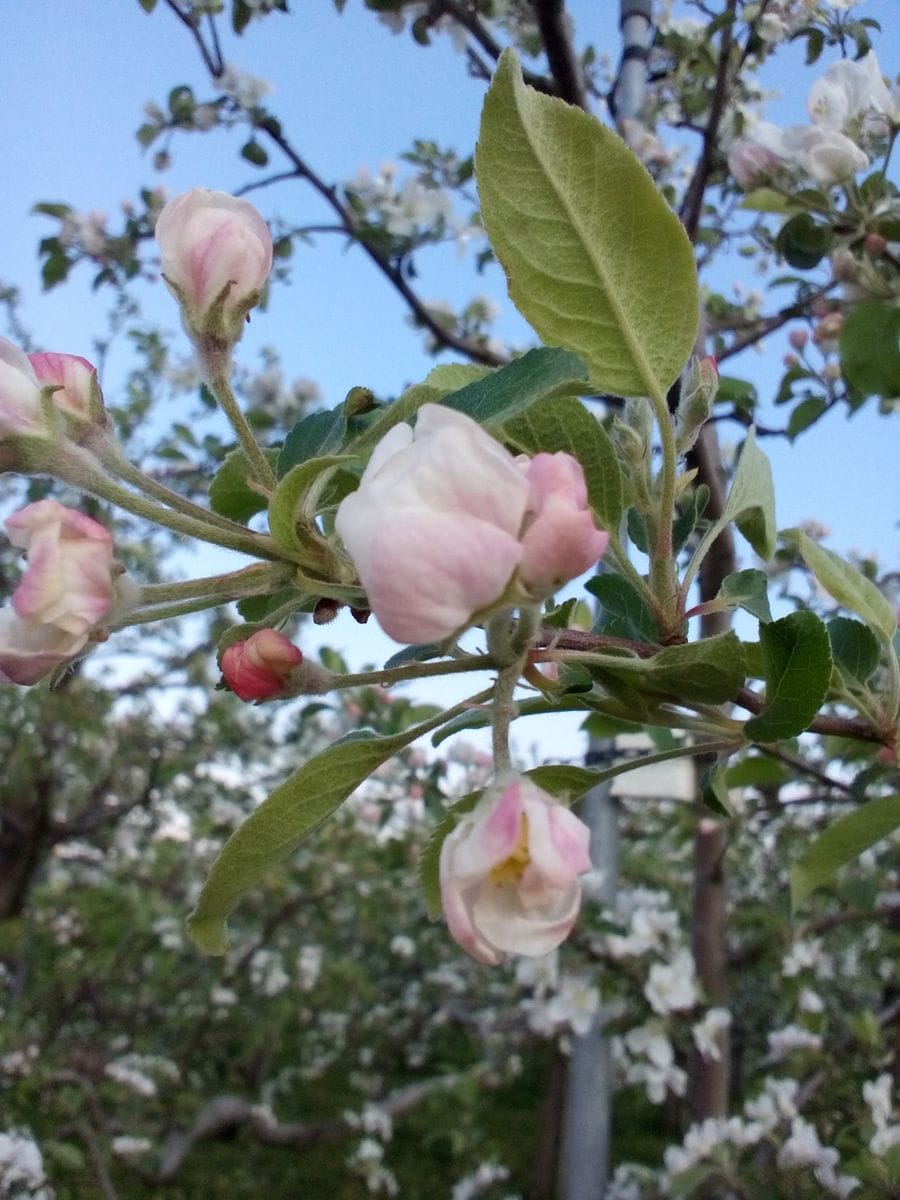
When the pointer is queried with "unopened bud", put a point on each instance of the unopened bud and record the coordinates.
(798, 338)
(698, 392)
(844, 266)
(875, 245)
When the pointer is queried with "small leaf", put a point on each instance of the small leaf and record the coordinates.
(254, 153)
(803, 242)
(751, 501)
(623, 611)
(595, 259)
(714, 790)
(797, 670)
(805, 414)
(230, 494)
(565, 424)
(848, 586)
(870, 348)
(314, 435)
(748, 590)
(288, 497)
(537, 375)
(757, 770)
(854, 647)
(711, 671)
(767, 200)
(843, 841)
(292, 812)
(690, 510)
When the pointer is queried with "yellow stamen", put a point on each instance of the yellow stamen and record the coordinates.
(512, 868)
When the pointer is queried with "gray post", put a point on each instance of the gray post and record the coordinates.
(586, 1132)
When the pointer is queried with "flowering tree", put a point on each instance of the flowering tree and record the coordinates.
(471, 500)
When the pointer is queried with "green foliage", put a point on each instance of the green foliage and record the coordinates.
(796, 657)
(870, 348)
(230, 494)
(848, 586)
(843, 841)
(623, 611)
(540, 374)
(316, 435)
(748, 590)
(854, 648)
(615, 283)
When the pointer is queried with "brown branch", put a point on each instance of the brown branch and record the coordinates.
(848, 727)
(553, 24)
(213, 63)
(224, 1114)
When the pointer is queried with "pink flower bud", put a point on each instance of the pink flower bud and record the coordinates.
(444, 515)
(433, 528)
(78, 393)
(20, 393)
(259, 668)
(798, 338)
(509, 873)
(752, 164)
(560, 540)
(216, 258)
(66, 591)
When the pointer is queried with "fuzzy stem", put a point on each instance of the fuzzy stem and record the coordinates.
(216, 368)
(662, 564)
(250, 581)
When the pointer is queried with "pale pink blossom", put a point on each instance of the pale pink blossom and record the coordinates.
(444, 516)
(752, 164)
(260, 667)
(20, 393)
(509, 873)
(853, 98)
(560, 540)
(216, 258)
(64, 594)
(78, 393)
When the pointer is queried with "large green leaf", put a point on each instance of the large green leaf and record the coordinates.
(316, 434)
(565, 424)
(849, 587)
(710, 671)
(854, 647)
(595, 258)
(537, 375)
(279, 825)
(796, 656)
(623, 612)
(843, 840)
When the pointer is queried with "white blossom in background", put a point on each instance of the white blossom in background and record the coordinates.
(877, 1094)
(267, 973)
(309, 967)
(810, 1001)
(85, 232)
(783, 1042)
(136, 1081)
(804, 955)
(671, 987)
(472, 1186)
(245, 90)
(365, 1161)
(803, 1149)
(131, 1147)
(706, 1032)
(22, 1166)
(776, 1103)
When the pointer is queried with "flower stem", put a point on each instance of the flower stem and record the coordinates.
(216, 369)
(662, 562)
(250, 581)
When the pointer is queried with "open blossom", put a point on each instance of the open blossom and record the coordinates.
(444, 516)
(66, 591)
(852, 97)
(509, 873)
(216, 258)
(259, 668)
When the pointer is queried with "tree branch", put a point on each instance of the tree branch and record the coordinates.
(553, 23)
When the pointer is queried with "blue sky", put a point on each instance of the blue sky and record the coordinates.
(350, 93)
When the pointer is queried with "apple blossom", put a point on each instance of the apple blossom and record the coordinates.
(216, 258)
(852, 97)
(20, 393)
(259, 668)
(508, 873)
(77, 392)
(64, 594)
(444, 515)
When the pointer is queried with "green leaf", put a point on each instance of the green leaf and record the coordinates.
(805, 414)
(314, 435)
(757, 770)
(748, 590)
(623, 611)
(572, 782)
(565, 424)
(537, 375)
(843, 840)
(292, 812)
(453, 377)
(803, 242)
(594, 257)
(710, 671)
(767, 201)
(230, 494)
(751, 501)
(714, 790)
(854, 647)
(848, 586)
(870, 348)
(254, 153)
(797, 670)
(287, 498)
(690, 509)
